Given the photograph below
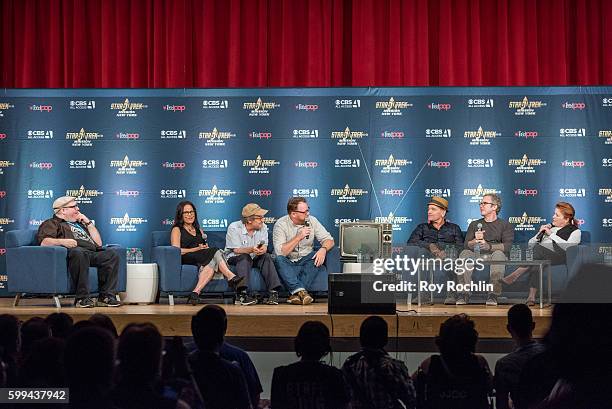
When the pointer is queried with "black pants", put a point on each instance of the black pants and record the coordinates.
(264, 263)
(107, 262)
(542, 253)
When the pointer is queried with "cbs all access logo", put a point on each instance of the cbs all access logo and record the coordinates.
(173, 134)
(40, 194)
(480, 163)
(347, 103)
(82, 164)
(305, 133)
(438, 133)
(215, 104)
(305, 192)
(606, 162)
(215, 164)
(39, 134)
(87, 105)
(347, 163)
(572, 192)
(172, 193)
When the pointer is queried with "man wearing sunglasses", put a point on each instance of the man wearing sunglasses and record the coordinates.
(296, 261)
(72, 229)
(493, 237)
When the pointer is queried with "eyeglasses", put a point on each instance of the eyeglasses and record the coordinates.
(304, 212)
(70, 207)
(486, 203)
(189, 212)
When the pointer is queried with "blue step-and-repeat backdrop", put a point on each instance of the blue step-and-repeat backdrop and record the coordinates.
(130, 156)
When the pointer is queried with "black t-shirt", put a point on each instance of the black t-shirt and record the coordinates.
(308, 385)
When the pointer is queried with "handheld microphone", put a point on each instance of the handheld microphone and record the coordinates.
(479, 225)
(540, 235)
(261, 243)
(307, 224)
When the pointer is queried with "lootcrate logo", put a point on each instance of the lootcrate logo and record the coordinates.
(35, 222)
(3, 136)
(607, 223)
(215, 195)
(525, 192)
(127, 109)
(607, 135)
(478, 193)
(5, 106)
(40, 194)
(216, 137)
(348, 103)
(438, 133)
(174, 108)
(392, 107)
(127, 193)
(572, 192)
(174, 165)
(5, 221)
(305, 192)
(480, 163)
(396, 221)
(606, 162)
(606, 193)
(347, 163)
(439, 106)
(82, 104)
(348, 137)
(259, 165)
(83, 138)
(480, 103)
(82, 164)
(440, 164)
(306, 107)
(526, 222)
(305, 164)
(39, 134)
(41, 108)
(259, 107)
(305, 133)
(172, 193)
(168, 222)
(127, 166)
(213, 223)
(573, 164)
(572, 132)
(260, 192)
(260, 135)
(525, 107)
(435, 191)
(525, 164)
(40, 165)
(5, 164)
(574, 105)
(173, 134)
(481, 137)
(348, 194)
(83, 195)
(392, 134)
(392, 192)
(128, 135)
(606, 102)
(215, 164)
(526, 134)
(215, 104)
(391, 165)
(338, 222)
(127, 223)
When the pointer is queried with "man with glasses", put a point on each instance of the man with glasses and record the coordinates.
(247, 243)
(72, 229)
(296, 261)
(493, 237)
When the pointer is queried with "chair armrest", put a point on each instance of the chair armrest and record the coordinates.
(332, 261)
(168, 259)
(37, 269)
(577, 256)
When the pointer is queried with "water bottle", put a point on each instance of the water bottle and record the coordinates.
(529, 253)
(129, 256)
(477, 249)
(515, 253)
(138, 256)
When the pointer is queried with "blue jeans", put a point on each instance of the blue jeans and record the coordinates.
(298, 275)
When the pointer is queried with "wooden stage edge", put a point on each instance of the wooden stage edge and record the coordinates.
(271, 323)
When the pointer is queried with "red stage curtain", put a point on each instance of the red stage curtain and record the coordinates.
(296, 43)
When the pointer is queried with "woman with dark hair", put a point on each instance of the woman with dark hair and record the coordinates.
(187, 235)
(457, 378)
(550, 243)
(309, 383)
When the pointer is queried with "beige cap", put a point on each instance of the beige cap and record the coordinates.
(439, 201)
(62, 201)
(253, 209)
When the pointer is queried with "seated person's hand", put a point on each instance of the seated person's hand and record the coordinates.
(479, 235)
(258, 251)
(69, 243)
(319, 257)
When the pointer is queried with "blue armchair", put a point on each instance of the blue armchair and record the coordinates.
(181, 278)
(33, 269)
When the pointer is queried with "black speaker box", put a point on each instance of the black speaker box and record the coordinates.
(353, 293)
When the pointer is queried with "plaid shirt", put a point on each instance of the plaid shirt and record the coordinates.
(426, 234)
(378, 381)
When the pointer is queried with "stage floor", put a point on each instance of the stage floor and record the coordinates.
(283, 321)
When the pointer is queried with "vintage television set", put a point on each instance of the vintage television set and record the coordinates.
(366, 238)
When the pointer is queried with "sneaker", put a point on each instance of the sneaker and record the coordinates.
(305, 297)
(492, 300)
(451, 298)
(84, 303)
(245, 299)
(462, 299)
(107, 301)
(272, 298)
(295, 299)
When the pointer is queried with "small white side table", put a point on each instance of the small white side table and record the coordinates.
(142, 282)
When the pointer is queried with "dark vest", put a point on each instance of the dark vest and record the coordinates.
(566, 231)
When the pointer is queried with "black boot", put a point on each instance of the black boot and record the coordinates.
(193, 298)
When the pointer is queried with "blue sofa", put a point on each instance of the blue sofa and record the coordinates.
(33, 269)
(180, 279)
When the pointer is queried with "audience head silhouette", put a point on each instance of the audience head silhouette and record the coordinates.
(208, 327)
(373, 333)
(61, 324)
(32, 330)
(520, 321)
(139, 353)
(457, 338)
(312, 341)
(104, 321)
